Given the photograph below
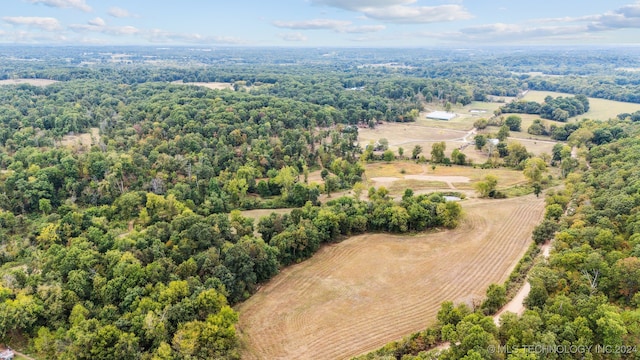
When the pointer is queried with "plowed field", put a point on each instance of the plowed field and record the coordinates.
(357, 295)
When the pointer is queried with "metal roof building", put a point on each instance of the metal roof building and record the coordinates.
(441, 115)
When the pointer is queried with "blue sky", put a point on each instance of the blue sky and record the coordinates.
(371, 23)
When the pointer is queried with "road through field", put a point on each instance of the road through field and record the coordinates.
(357, 295)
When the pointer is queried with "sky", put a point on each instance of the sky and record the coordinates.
(320, 23)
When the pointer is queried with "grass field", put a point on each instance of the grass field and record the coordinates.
(357, 295)
(34, 82)
(600, 109)
(399, 175)
(408, 135)
(84, 140)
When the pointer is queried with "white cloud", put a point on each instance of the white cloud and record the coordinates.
(548, 29)
(74, 4)
(418, 14)
(162, 36)
(100, 26)
(97, 22)
(315, 24)
(292, 37)
(400, 11)
(44, 23)
(29, 37)
(340, 26)
(356, 5)
(120, 12)
(363, 29)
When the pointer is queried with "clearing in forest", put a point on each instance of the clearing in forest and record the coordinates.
(357, 295)
(397, 176)
(408, 135)
(208, 85)
(34, 82)
(599, 109)
(84, 140)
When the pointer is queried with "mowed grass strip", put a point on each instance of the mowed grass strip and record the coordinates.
(357, 295)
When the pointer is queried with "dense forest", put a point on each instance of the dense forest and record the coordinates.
(132, 245)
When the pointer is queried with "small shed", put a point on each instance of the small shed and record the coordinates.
(441, 115)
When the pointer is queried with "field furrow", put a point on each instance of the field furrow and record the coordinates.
(357, 295)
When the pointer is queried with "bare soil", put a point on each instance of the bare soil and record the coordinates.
(357, 295)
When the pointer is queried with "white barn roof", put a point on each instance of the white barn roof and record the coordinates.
(441, 115)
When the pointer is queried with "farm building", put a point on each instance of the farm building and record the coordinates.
(441, 115)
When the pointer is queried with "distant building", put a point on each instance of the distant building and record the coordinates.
(441, 115)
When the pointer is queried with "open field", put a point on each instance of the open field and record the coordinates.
(357, 295)
(423, 177)
(256, 214)
(84, 140)
(208, 85)
(600, 109)
(34, 82)
(408, 135)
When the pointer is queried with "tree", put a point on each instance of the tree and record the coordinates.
(480, 141)
(388, 156)
(496, 297)
(533, 169)
(437, 152)
(627, 276)
(503, 133)
(545, 231)
(45, 206)
(417, 150)
(513, 122)
(458, 157)
(487, 187)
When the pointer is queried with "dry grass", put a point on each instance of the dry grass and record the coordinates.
(34, 82)
(256, 214)
(366, 291)
(422, 176)
(81, 140)
(600, 109)
(407, 135)
(208, 85)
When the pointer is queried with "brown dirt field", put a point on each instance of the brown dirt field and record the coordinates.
(357, 295)
(34, 82)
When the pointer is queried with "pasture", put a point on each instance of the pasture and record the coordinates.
(397, 176)
(599, 109)
(408, 135)
(357, 295)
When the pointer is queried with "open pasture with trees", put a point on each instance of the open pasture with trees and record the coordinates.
(600, 109)
(426, 178)
(383, 287)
